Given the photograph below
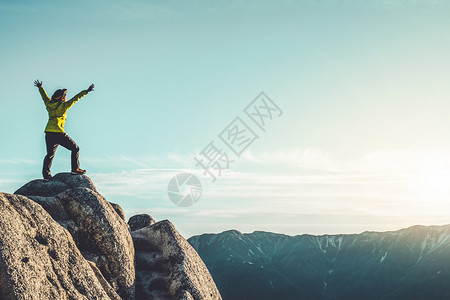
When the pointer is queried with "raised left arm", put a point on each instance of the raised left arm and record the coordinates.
(71, 102)
(78, 96)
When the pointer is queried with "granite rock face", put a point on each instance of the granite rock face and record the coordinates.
(39, 259)
(167, 267)
(61, 239)
(98, 230)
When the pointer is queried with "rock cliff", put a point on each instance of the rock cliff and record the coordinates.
(61, 239)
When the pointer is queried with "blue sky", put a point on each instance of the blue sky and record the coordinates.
(362, 144)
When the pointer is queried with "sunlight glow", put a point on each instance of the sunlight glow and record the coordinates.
(433, 184)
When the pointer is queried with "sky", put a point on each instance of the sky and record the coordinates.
(360, 142)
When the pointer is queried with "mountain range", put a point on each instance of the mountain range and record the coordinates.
(411, 263)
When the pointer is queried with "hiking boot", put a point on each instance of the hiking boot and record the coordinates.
(47, 177)
(78, 172)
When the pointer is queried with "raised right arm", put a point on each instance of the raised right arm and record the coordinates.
(42, 92)
(44, 95)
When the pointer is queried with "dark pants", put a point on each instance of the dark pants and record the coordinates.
(52, 140)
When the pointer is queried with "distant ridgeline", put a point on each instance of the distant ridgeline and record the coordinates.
(412, 263)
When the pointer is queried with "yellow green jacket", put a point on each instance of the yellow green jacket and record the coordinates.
(57, 111)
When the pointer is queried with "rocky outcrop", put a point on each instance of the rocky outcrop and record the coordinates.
(59, 183)
(167, 267)
(38, 257)
(100, 233)
(61, 239)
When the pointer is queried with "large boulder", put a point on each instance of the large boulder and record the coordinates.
(97, 226)
(167, 267)
(39, 259)
(140, 221)
(59, 183)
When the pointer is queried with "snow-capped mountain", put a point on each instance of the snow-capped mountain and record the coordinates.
(412, 263)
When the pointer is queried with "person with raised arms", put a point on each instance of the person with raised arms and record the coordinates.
(55, 135)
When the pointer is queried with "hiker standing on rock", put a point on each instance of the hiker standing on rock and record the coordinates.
(55, 135)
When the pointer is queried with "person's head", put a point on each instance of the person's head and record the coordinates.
(59, 95)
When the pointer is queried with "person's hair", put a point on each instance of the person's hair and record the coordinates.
(58, 94)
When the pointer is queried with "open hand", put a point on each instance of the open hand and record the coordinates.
(91, 88)
(37, 83)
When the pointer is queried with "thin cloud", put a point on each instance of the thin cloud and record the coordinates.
(279, 187)
(391, 170)
(18, 161)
